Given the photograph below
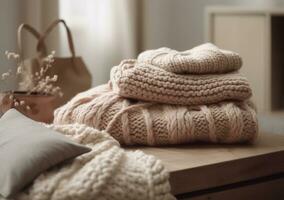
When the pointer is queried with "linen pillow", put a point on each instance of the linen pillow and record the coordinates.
(28, 148)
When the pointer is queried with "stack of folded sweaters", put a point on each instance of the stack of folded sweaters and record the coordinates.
(170, 97)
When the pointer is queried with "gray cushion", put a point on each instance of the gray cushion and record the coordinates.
(28, 148)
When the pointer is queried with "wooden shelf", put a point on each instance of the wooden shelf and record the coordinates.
(201, 167)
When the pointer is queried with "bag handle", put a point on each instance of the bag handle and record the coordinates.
(50, 28)
(35, 33)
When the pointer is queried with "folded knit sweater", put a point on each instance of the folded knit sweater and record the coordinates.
(143, 81)
(203, 59)
(107, 172)
(148, 123)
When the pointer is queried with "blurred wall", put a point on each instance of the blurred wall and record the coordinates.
(177, 24)
(10, 17)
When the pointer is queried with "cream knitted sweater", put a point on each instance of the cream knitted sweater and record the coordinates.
(132, 122)
(107, 172)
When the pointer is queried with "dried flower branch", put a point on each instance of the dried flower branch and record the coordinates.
(37, 83)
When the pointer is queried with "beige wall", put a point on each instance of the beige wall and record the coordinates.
(10, 17)
(178, 24)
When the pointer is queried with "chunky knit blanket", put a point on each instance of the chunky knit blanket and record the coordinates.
(107, 172)
(132, 122)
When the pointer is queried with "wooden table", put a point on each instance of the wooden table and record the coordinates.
(226, 171)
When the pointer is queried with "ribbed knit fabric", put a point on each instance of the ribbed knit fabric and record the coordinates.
(135, 122)
(106, 173)
(132, 79)
(203, 59)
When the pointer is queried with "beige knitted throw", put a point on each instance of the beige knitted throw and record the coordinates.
(132, 122)
(106, 173)
(142, 81)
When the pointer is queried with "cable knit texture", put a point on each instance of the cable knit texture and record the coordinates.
(203, 59)
(142, 81)
(106, 173)
(135, 122)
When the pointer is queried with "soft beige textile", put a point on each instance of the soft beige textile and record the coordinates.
(132, 122)
(132, 79)
(169, 97)
(203, 59)
(107, 172)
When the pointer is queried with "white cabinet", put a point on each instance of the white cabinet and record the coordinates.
(257, 35)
